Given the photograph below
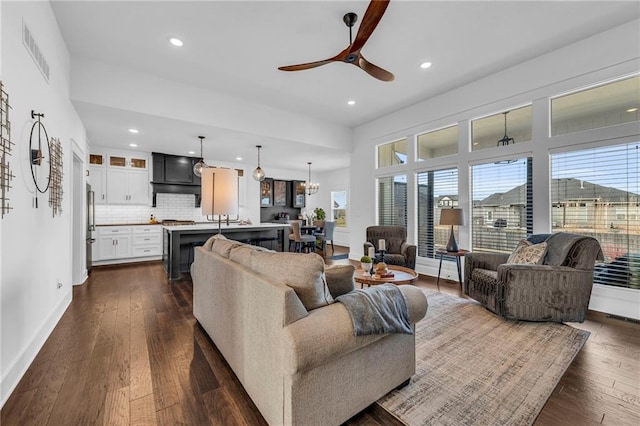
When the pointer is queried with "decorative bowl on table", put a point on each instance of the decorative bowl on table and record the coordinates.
(366, 267)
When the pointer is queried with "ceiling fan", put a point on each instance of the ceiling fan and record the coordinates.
(352, 55)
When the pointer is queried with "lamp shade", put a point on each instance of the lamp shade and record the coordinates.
(451, 217)
(219, 191)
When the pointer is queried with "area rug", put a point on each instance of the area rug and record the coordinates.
(476, 368)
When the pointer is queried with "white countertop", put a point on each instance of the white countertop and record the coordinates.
(214, 226)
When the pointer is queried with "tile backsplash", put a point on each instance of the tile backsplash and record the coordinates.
(168, 206)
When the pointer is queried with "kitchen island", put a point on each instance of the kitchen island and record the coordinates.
(179, 241)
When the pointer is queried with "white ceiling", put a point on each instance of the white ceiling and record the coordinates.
(234, 48)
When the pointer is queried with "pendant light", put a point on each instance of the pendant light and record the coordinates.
(506, 140)
(311, 187)
(258, 173)
(197, 168)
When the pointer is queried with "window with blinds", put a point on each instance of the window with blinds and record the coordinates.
(437, 190)
(596, 192)
(392, 200)
(502, 195)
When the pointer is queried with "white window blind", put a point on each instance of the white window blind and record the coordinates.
(595, 192)
(392, 200)
(437, 190)
(502, 205)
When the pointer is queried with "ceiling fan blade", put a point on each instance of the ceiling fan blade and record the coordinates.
(306, 66)
(369, 23)
(374, 70)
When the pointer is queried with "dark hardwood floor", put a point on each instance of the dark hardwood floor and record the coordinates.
(128, 351)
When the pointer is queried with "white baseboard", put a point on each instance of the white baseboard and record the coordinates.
(14, 373)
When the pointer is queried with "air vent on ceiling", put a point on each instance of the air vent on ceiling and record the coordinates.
(36, 54)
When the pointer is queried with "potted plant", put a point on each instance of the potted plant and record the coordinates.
(319, 213)
(365, 264)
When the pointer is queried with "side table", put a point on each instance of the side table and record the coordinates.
(457, 254)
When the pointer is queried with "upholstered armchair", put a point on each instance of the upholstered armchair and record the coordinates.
(558, 289)
(397, 250)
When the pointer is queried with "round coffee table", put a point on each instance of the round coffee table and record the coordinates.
(401, 275)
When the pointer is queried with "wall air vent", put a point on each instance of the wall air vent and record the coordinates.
(36, 53)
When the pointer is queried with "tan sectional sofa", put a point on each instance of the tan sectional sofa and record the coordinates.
(272, 317)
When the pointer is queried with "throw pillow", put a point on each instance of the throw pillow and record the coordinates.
(304, 273)
(528, 253)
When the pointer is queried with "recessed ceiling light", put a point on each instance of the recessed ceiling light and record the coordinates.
(238, 158)
(176, 42)
(133, 145)
(425, 65)
(192, 152)
(632, 109)
(351, 102)
(133, 130)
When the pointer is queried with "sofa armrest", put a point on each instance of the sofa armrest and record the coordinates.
(489, 261)
(340, 279)
(544, 292)
(327, 333)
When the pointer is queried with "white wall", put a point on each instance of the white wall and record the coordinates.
(36, 248)
(566, 69)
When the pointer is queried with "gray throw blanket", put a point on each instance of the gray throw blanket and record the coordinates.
(377, 310)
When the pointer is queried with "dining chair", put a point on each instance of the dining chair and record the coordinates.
(301, 241)
(327, 235)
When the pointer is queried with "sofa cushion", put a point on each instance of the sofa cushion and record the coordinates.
(304, 273)
(223, 246)
(209, 243)
(395, 259)
(528, 253)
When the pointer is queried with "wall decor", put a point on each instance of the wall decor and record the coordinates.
(5, 152)
(55, 193)
(266, 193)
(279, 193)
(40, 154)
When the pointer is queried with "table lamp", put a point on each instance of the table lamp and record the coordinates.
(452, 217)
(219, 193)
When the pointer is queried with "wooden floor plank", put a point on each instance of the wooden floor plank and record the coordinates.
(117, 409)
(129, 351)
(143, 411)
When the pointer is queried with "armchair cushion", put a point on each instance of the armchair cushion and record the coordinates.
(525, 252)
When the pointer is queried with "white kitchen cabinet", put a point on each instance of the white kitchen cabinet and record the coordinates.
(123, 244)
(114, 242)
(126, 186)
(98, 181)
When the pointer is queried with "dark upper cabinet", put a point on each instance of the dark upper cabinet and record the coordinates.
(298, 199)
(173, 174)
(174, 169)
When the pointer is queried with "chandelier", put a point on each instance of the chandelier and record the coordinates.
(197, 168)
(311, 187)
